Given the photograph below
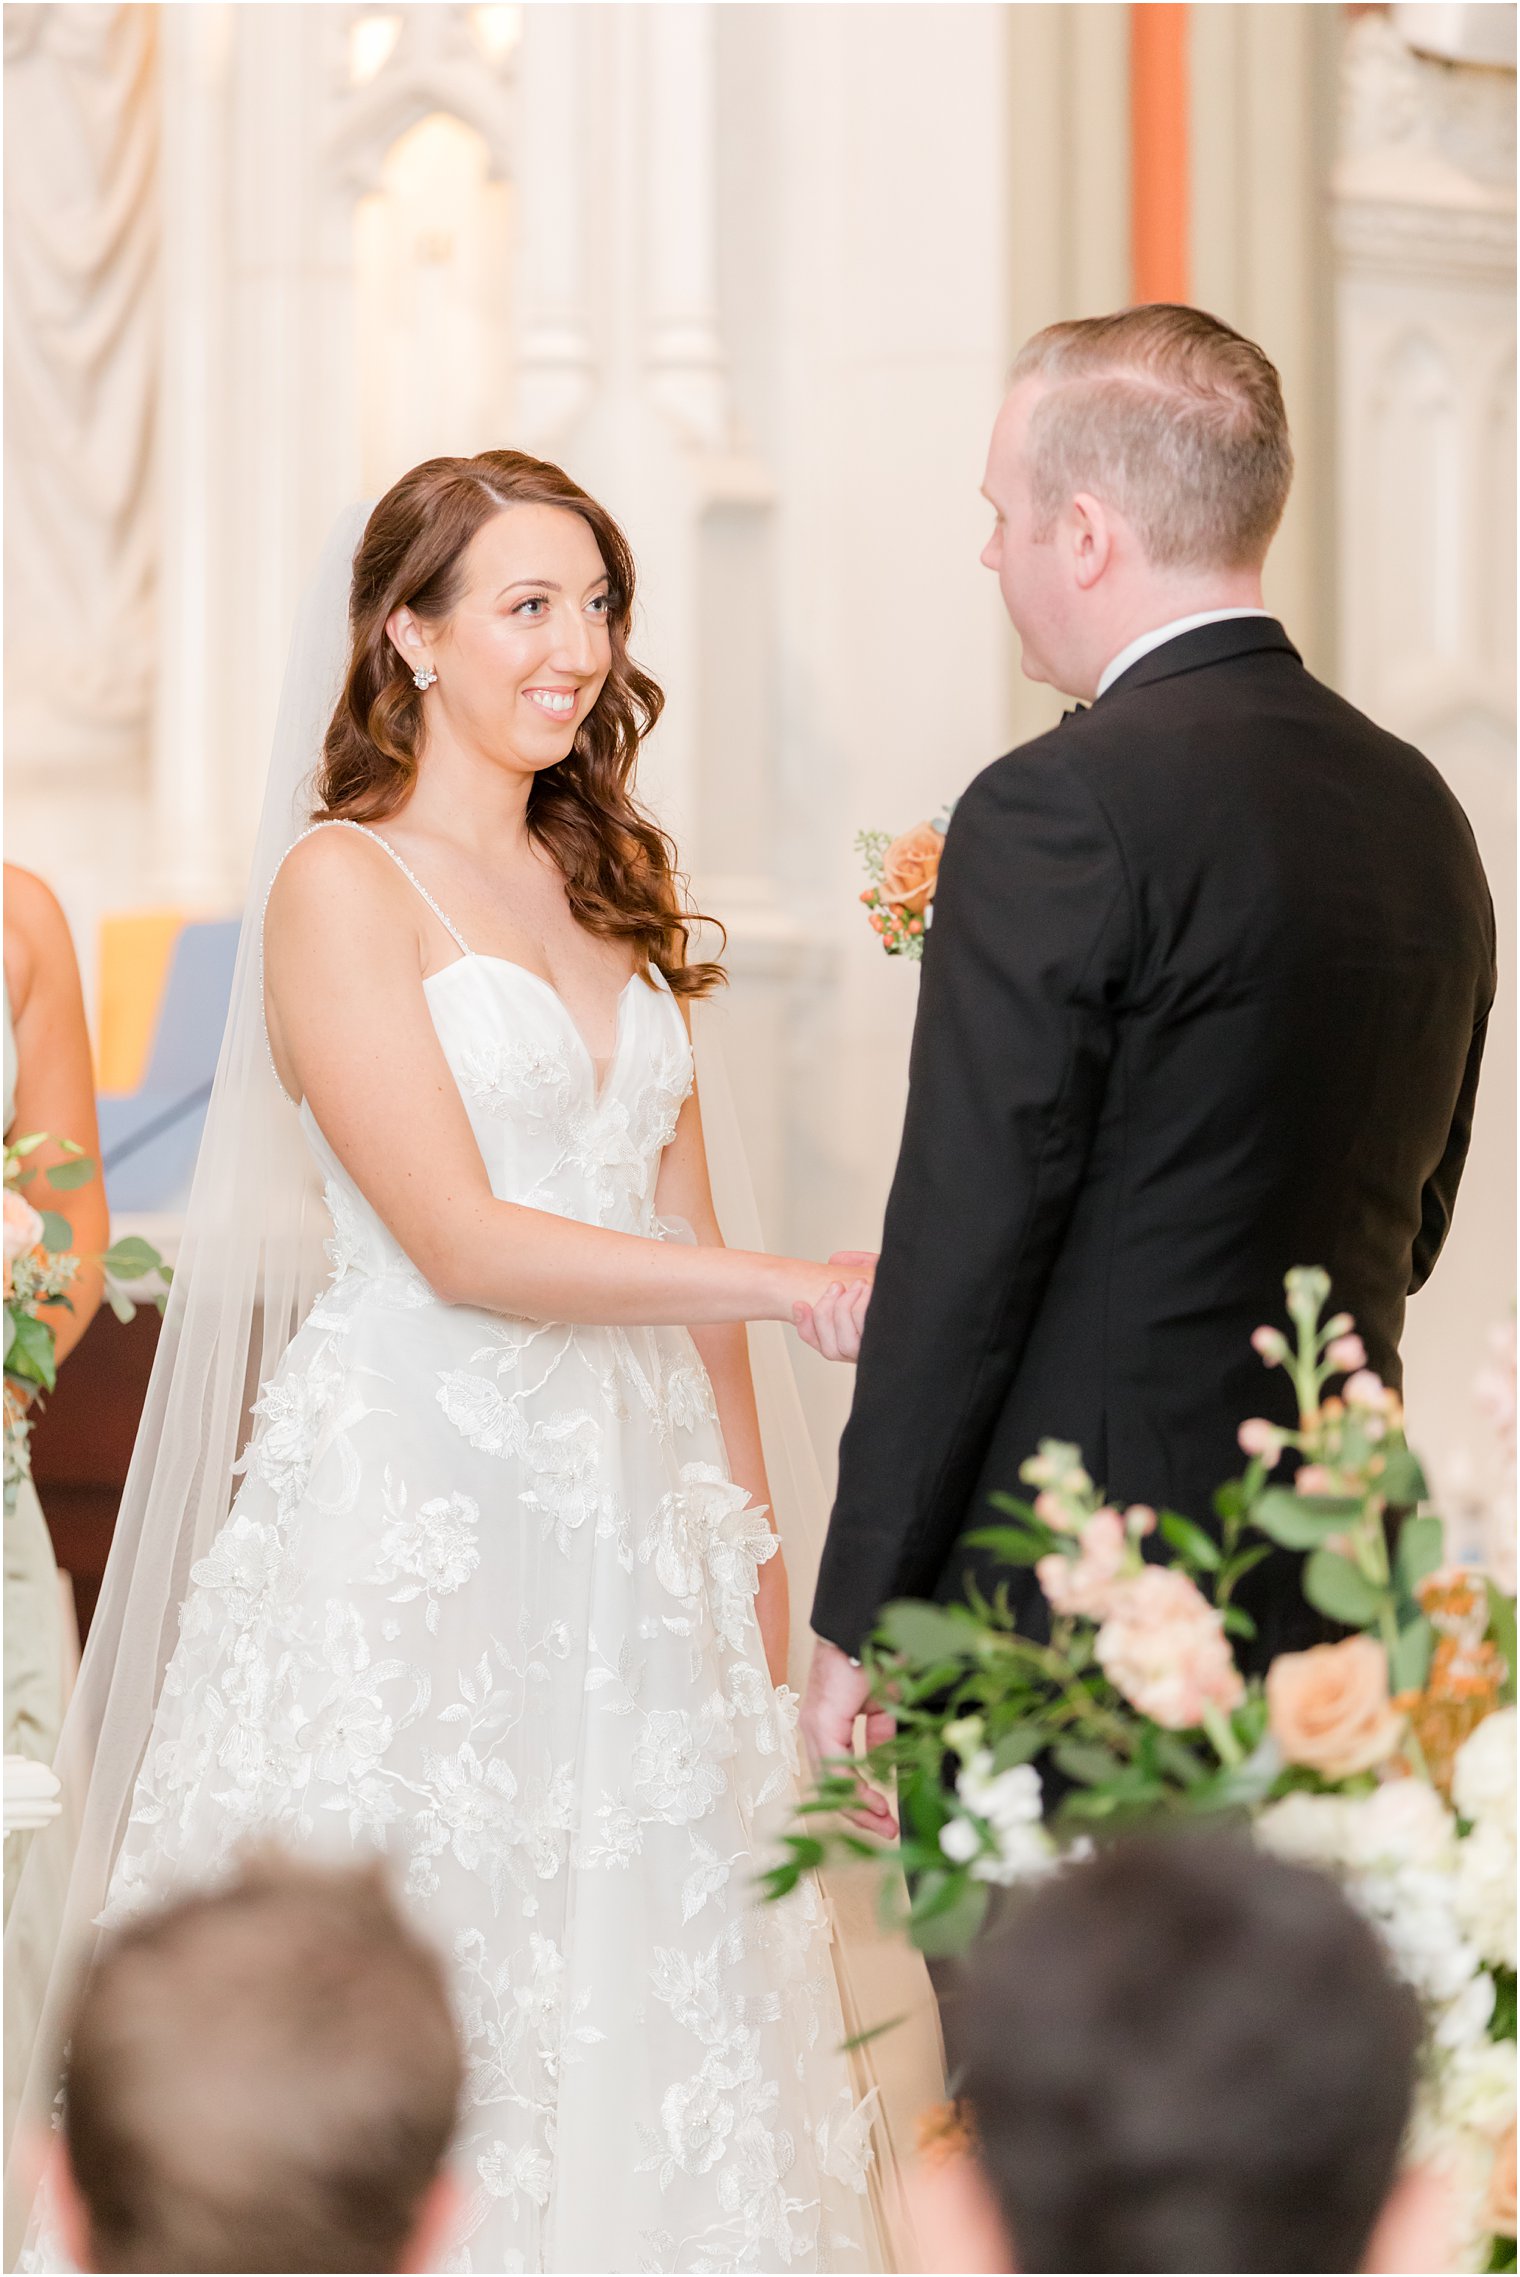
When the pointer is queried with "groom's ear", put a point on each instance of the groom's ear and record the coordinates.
(1090, 534)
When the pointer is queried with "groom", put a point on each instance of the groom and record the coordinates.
(1204, 998)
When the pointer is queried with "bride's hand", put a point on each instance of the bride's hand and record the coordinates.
(832, 1323)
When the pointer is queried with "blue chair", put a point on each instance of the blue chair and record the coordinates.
(149, 1137)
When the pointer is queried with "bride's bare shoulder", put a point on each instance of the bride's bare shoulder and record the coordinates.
(334, 882)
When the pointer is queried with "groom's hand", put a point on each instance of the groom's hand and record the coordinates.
(837, 1693)
(833, 1325)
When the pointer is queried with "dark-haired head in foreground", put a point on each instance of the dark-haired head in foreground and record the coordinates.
(262, 2078)
(1184, 2055)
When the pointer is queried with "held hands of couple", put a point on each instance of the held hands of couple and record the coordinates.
(833, 1322)
(837, 1693)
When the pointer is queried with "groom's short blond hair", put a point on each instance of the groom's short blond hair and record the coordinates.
(1170, 417)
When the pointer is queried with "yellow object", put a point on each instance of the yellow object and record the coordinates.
(135, 949)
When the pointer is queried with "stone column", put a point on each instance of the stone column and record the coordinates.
(1424, 222)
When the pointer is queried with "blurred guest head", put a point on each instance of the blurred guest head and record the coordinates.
(1139, 469)
(262, 2078)
(1184, 2055)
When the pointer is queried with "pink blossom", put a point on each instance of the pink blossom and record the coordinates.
(1259, 1437)
(1346, 1354)
(1164, 1647)
(1140, 1519)
(1313, 1478)
(1271, 1344)
(1085, 1584)
(23, 1226)
(23, 1230)
(1364, 1389)
(1057, 1511)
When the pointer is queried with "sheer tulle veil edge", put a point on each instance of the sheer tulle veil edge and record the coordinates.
(250, 1263)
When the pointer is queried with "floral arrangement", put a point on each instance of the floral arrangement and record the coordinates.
(903, 872)
(39, 1268)
(1388, 1757)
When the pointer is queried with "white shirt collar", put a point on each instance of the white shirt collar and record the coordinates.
(1147, 641)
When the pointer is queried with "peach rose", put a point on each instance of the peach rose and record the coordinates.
(1328, 1708)
(23, 1230)
(1499, 2206)
(1164, 1647)
(910, 869)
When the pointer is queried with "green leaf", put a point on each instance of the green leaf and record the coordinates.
(1501, 1627)
(871, 2032)
(57, 1233)
(1230, 1499)
(1334, 1587)
(1190, 1541)
(1018, 1746)
(1238, 1622)
(1012, 1506)
(1012, 1543)
(927, 1632)
(1174, 1755)
(65, 1176)
(1302, 1521)
(1402, 1479)
(946, 1924)
(131, 1258)
(1086, 1761)
(1501, 2024)
(1421, 1548)
(29, 1349)
(1409, 1663)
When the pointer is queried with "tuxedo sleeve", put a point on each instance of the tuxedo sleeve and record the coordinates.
(1438, 1201)
(1022, 976)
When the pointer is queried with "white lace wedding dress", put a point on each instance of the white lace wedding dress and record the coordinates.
(484, 1603)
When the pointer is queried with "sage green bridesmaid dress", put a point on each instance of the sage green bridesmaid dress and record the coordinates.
(33, 1605)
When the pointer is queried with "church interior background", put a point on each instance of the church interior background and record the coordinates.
(754, 273)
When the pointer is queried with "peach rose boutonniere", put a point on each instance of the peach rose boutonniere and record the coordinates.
(904, 872)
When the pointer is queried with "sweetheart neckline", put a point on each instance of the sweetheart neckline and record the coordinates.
(600, 1077)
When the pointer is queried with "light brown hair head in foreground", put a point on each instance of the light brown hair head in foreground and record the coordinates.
(263, 2077)
(1172, 418)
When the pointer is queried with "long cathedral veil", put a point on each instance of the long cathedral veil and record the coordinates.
(249, 1267)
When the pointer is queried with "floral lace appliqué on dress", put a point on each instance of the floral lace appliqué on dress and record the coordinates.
(485, 1604)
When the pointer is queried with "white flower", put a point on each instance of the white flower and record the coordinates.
(1483, 1779)
(960, 1840)
(1006, 1799)
(688, 1395)
(1024, 1854)
(434, 1547)
(1011, 1803)
(1477, 2087)
(506, 2173)
(844, 2140)
(1309, 1829)
(1404, 1823)
(1485, 1892)
(697, 2120)
(1463, 2022)
(1414, 1910)
(673, 1769)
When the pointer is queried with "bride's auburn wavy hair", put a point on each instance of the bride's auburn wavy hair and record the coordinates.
(619, 867)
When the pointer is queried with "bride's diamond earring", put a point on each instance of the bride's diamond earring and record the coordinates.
(423, 677)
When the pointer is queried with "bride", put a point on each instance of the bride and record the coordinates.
(500, 1594)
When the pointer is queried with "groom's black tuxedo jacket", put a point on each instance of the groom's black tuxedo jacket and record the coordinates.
(1203, 998)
